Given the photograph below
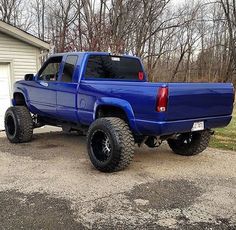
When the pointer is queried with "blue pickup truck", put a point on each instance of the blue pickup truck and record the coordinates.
(109, 98)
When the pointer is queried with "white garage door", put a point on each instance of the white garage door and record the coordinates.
(5, 99)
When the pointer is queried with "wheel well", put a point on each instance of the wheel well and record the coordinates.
(111, 111)
(19, 99)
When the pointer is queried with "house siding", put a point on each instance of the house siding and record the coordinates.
(22, 56)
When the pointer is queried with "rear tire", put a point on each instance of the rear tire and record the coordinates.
(110, 144)
(18, 124)
(189, 144)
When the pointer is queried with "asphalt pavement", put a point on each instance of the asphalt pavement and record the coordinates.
(50, 183)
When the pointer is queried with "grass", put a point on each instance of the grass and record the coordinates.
(225, 138)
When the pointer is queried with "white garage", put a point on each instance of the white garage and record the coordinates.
(20, 53)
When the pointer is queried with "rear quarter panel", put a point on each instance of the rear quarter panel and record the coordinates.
(140, 98)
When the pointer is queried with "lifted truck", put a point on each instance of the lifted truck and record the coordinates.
(108, 97)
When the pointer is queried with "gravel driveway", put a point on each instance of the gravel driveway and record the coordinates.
(50, 184)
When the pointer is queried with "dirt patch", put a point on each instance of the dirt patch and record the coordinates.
(48, 146)
(162, 205)
(35, 211)
(166, 194)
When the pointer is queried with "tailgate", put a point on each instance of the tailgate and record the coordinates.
(199, 100)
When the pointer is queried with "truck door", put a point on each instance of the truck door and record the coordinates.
(67, 90)
(42, 94)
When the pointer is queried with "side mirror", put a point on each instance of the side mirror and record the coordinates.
(29, 77)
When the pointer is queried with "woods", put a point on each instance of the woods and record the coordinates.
(178, 41)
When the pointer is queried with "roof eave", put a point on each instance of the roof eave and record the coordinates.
(23, 36)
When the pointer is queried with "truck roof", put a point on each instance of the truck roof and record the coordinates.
(92, 52)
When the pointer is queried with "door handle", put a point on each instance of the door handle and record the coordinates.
(43, 83)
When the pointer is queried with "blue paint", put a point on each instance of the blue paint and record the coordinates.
(79, 100)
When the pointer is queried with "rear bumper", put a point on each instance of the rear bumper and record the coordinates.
(152, 128)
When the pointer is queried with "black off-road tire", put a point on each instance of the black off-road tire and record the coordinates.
(18, 124)
(189, 144)
(121, 142)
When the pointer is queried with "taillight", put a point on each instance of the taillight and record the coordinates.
(162, 99)
(140, 76)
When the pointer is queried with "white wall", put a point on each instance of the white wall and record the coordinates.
(19, 58)
(23, 57)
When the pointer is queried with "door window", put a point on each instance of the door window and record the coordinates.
(51, 70)
(69, 68)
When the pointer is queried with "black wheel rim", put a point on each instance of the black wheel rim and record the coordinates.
(100, 145)
(10, 125)
(185, 139)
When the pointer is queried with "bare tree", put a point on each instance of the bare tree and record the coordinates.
(39, 7)
(229, 8)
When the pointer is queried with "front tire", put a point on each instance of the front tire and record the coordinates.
(110, 144)
(189, 144)
(18, 124)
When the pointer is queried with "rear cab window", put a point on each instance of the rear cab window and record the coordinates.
(114, 68)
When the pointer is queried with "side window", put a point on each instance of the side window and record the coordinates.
(50, 71)
(69, 68)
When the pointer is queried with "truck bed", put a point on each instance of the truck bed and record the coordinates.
(187, 103)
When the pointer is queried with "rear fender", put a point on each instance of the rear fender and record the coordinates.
(119, 103)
